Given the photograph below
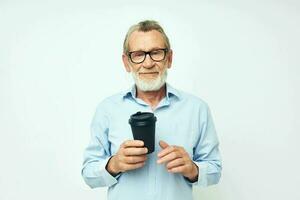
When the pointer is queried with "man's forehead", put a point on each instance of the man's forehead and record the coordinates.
(139, 40)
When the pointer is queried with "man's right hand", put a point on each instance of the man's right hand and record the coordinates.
(131, 155)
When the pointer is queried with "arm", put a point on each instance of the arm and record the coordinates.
(206, 153)
(97, 154)
(204, 168)
(100, 168)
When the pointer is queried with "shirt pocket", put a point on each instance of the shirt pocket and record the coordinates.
(179, 134)
(117, 135)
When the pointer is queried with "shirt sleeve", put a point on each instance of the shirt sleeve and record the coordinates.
(206, 153)
(97, 153)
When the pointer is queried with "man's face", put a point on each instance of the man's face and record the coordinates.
(148, 75)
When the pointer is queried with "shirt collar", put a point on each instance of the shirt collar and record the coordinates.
(170, 91)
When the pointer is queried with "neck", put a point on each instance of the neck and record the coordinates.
(152, 97)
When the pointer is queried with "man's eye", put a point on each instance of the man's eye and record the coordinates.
(137, 54)
(156, 52)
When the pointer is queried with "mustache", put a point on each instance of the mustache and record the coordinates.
(143, 70)
(148, 72)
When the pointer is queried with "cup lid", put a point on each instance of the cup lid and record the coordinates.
(142, 117)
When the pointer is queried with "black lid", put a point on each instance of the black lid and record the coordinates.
(142, 118)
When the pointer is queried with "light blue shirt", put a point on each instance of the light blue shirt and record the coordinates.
(182, 120)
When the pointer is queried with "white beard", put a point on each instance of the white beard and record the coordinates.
(150, 85)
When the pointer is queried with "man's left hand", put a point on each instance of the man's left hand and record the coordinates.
(177, 160)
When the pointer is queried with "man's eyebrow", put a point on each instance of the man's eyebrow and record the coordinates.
(153, 49)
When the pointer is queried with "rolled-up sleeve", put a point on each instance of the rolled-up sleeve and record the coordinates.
(97, 153)
(206, 153)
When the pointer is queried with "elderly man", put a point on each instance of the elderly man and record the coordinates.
(186, 152)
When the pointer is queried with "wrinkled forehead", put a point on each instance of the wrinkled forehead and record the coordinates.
(145, 41)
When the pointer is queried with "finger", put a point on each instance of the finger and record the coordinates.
(127, 167)
(129, 151)
(163, 144)
(166, 151)
(169, 157)
(175, 163)
(134, 159)
(179, 169)
(132, 143)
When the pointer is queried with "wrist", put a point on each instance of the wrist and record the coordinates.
(111, 167)
(193, 176)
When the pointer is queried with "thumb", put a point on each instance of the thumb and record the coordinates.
(163, 144)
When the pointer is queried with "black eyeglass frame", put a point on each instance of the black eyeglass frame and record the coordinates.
(146, 53)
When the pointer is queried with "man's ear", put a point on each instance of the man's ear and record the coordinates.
(125, 62)
(170, 58)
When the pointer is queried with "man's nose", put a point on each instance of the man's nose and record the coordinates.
(148, 62)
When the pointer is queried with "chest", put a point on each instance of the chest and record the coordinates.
(180, 130)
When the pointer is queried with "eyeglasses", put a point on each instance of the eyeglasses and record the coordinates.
(138, 57)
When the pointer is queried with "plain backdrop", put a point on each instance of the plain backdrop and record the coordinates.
(59, 59)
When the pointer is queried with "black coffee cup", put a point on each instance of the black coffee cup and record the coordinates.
(143, 128)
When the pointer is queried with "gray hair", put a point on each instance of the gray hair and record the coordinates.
(145, 26)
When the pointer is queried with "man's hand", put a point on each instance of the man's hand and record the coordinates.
(177, 161)
(131, 155)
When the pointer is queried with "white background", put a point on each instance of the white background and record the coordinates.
(59, 59)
